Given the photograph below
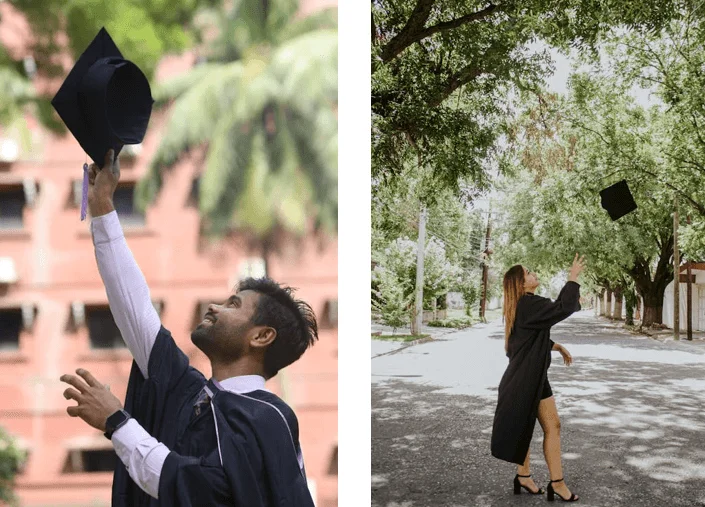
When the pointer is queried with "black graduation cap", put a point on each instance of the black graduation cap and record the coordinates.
(105, 100)
(618, 200)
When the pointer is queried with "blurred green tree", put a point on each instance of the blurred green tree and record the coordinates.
(143, 29)
(12, 460)
(262, 100)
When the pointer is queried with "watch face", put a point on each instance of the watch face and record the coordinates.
(115, 419)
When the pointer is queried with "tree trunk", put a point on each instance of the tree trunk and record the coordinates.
(617, 304)
(414, 328)
(653, 288)
(653, 308)
(630, 302)
(602, 303)
(608, 313)
(652, 315)
(637, 314)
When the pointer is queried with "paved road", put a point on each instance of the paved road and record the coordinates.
(632, 412)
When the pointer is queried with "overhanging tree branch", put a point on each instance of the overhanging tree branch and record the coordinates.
(414, 30)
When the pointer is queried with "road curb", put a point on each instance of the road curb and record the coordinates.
(406, 346)
(426, 340)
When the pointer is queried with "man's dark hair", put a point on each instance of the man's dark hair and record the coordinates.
(293, 320)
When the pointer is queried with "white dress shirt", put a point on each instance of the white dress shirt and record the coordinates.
(138, 321)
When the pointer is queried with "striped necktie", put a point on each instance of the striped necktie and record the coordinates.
(202, 402)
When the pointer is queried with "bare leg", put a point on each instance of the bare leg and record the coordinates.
(551, 425)
(525, 470)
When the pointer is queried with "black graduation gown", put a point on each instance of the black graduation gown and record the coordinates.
(260, 468)
(529, 358)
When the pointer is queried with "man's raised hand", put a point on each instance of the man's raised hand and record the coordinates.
(102, 184)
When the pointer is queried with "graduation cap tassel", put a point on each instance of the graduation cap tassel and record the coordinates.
(84, 199)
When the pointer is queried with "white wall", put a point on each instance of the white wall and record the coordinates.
(698, 289)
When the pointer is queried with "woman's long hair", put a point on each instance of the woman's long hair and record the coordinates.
(513, 290)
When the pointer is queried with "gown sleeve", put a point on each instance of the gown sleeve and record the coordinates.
(542, 313)
(188, 481)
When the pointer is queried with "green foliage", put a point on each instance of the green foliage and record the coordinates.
(143, 30)
(470, 286)
(452, 323)
(576, 147)
(11, 460)
(670, 65)
(395, 213)
(439, 273)
(264, 106)
(442, 71)
(395, 276)
(390, 300)
(406, 338)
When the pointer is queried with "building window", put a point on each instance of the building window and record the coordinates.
(10, 327)
(12, 204)
(124, 202)
(330, 314)
(193, 196)
(102, 330)
(333, 464)
(90, 461)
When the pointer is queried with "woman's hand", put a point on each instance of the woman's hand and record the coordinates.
(576, 268)
(567, 358)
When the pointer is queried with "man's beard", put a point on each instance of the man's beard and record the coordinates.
(203, 337)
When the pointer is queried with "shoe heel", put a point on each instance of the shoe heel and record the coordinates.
(550, 493)
(517, 486)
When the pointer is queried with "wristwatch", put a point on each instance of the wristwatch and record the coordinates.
(114, 422)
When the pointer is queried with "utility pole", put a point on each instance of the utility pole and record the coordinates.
(676, 278)
(485, 266)
(689, 304)
(418, 315)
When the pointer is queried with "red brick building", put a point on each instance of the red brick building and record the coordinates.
(54, 315)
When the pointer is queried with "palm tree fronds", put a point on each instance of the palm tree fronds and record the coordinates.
(307, 67)
(196, 113)
(255, 209)
(324, 19)
(173, 88)
(318, 157)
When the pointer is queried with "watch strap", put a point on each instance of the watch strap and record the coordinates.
(109, 429)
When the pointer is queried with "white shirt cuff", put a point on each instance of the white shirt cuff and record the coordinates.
(142, 455)
(106, 228)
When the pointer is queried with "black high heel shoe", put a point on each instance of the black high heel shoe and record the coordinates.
(551, 492)
(518, 485)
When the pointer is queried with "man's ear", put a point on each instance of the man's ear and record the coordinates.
(263, 337)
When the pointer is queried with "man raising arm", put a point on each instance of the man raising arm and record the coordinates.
(125, 285)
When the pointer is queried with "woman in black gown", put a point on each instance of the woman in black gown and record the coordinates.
(524, 391)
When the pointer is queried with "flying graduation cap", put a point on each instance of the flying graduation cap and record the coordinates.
(105, 101)
(617, 200)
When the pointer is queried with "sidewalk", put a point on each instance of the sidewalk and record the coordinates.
(383, 347)
(630, 408)
(662, 335)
